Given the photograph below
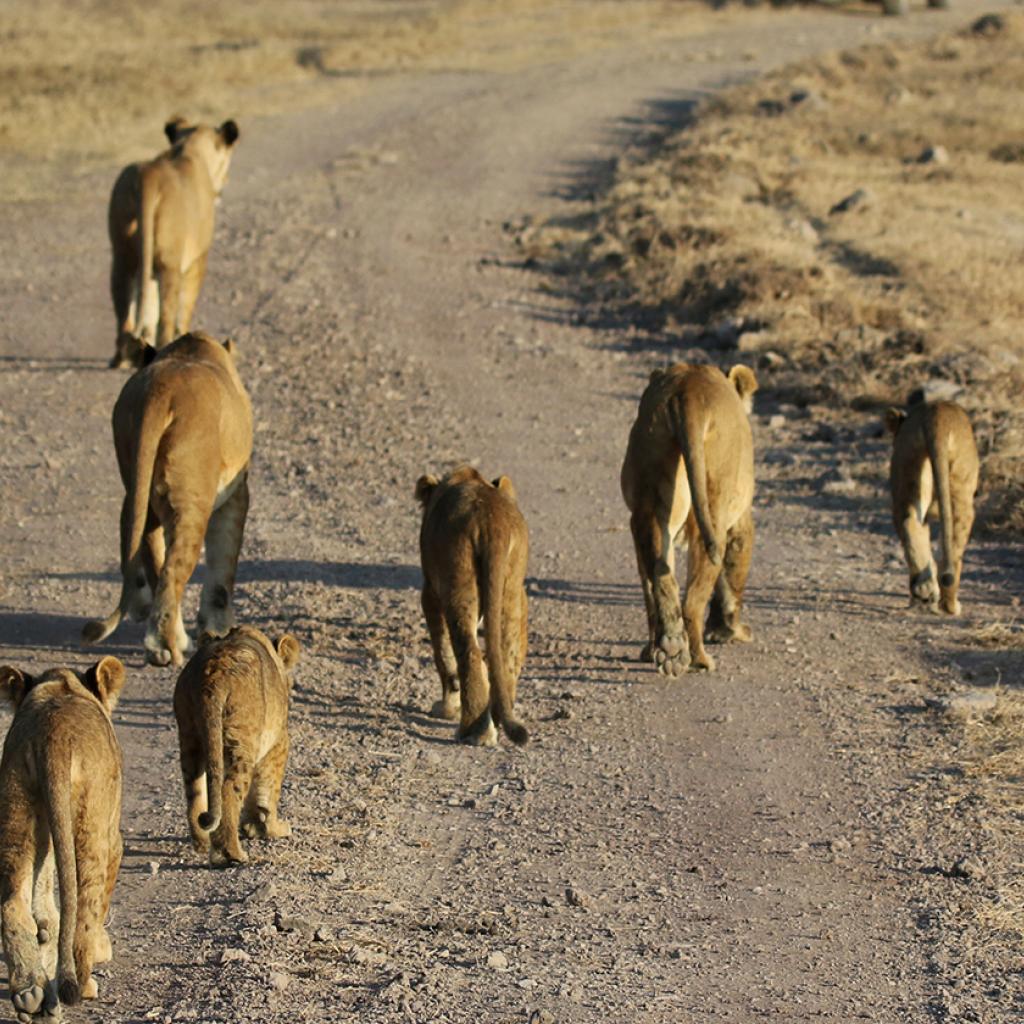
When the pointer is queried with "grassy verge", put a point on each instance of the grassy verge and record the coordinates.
(852, 224)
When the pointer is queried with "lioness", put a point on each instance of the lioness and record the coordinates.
(160, 222)
(60, 801)
(690, 461)
(473, 548)
(231, 703)
(183, 434)
(933, 473)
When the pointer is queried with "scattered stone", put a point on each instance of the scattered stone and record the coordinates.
(324, 934)
(575, 898)
(777, 422)
(229, 956)
(967, 867)
(497, 961)
(541, 1017)
(838, 482)
(298, 925)
(862, 197)
(933, 155)
(969, 703)
(279, 981)
(839, 845)
(154, 868)
(989, 25)
(808, 99)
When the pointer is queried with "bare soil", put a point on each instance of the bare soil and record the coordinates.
(800, 835)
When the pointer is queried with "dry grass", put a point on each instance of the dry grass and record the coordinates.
(91, 83)
(734, 221)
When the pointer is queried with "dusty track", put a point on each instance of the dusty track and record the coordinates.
(738, 846)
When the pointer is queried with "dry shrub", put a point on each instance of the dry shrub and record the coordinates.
(920, 279)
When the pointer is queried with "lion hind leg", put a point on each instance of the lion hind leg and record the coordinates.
(475, 725)
(225, 848)
(724, 622)
(259, 815)
(701, 576)
(449, 706)
(27, 979)
(917, 549)
(224, 534)
(656, 560)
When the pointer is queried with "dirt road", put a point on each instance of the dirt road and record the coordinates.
(763, 842)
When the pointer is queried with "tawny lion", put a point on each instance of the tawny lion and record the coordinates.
(183, 435)
(474, 547)
(231, 704)
(60, 806)
(160, 223)
(690, 463)
(933, 474)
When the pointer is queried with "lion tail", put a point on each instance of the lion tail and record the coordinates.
(57, 774)
(149, 199)
(503, 684)
(938, 456)
(213, 740)
(690, 425)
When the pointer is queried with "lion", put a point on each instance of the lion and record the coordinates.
(160, 222)
(473, 548)
(690, 462)
(933, 474)
(231, 703)
(183, 435)
(60, 806)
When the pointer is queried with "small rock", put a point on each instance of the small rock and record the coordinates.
(967, 867)
(279, 981)
(574, 897)
(777, 422)
(154, 868)
(839, 845)
(498, 961)
(228, 956)
(968, 703)
(933, 155)
(989, 25)
(299, 925)
(862, 197)
(808, 99)
(324, 934)
(541, 1017)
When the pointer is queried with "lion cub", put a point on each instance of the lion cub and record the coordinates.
(160, 223)
(690, 463)
(231, 703)
(60, 805)
(183, 435)
(933, 473)
(473, 548)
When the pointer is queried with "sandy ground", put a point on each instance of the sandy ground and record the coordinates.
(791, 837)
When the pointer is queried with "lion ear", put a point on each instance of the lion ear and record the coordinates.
(14, 684)
(505, 486)
(288, 650)
(425, 487)
(105, 679)
(173, 128)
(894, 420)
(147, 354)
(744, 381)
(229, 132)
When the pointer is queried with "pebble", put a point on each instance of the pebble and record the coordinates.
(574, 897)
(933, 155)
(498, 961)
(228, 956)
(279, 981)
(855, 200)
(970, 702)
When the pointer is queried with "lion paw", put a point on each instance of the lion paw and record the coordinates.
(448, 707)
(739, 634)
(672, 654)
(90, 990)
(703, 663)
(28, 1001)
(224, 859)
(487, 737)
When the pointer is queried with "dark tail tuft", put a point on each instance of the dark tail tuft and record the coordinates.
(207, 821)
(946, 579)
(516, 732)
(70, 993)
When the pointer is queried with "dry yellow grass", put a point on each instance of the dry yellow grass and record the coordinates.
(735, 220)
(91, 83)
